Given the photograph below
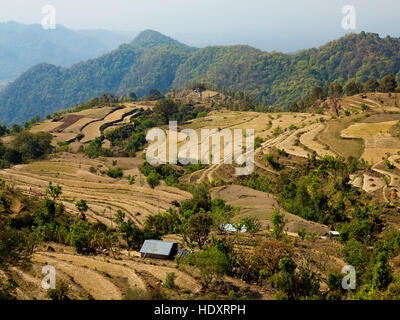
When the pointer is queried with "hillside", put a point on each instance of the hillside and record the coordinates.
(321, 171)
(156, 61)
(23, 46)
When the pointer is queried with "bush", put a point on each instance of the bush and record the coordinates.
(115, 173)
(252, 224)
(137, 294)
(211, 262)
(60, 293)
(170, 280)
(153, 179)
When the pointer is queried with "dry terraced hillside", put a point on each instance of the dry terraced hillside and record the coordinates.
(363, 132)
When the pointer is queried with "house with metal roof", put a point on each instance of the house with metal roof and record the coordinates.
(159, 249)
(229, 227)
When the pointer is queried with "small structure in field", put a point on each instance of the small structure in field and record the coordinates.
(231, 228)
(333, 234)
(159, 249)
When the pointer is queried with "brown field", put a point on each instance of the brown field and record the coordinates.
(261, 205)
(103, 194)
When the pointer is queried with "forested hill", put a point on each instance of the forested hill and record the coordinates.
(153, 60)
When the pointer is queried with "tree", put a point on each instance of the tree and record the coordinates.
(12, 156)
(170, 280)
(15, 248)
(201, 198)
(335, 90)
(166, 108)
(211, 262)
(318, 93)
(132, 95)
(279, 223)
(371, 85)
(302, 233)
(252, 224)
(381, 273)
(53, 191)
(351, 88)
(356, 253)
(33, 145)
(199, 227)
(155, 94)
(294, 107)
(80, 236)
(221, 213)
(153, 179)
(82, 207)
(388, 84)
(133, 235)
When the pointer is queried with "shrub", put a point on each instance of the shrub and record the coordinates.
(60, 293)
(170, 280)
(153, 179)
(115, 173)
(136, 294)
(211, 263)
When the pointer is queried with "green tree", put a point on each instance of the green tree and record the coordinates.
(388, 84)
(153, 179)
(132, 95)
(155, 94)
(199, 227)
(80, 236)
(371, 85)
(82, 207)
(170, 280)
(54, 191)
(252, 224)
(279, 223)
(211, 262)
(166, 108)
(352, 88)
(381, 273)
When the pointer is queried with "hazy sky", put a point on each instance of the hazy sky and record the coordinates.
(282, 25)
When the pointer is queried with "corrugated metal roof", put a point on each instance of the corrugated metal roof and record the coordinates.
(157, 247)
(231, 228)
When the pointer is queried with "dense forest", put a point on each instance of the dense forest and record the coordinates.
(154, 61)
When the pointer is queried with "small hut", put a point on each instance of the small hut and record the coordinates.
(159, 249)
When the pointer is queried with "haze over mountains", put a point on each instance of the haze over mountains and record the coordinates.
(153, 60)
(22, 46)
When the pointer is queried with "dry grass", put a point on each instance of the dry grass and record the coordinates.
(261, 205)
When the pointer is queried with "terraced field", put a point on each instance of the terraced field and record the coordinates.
(92, 130)
(103, 194)
(87, 123)
(261, 205)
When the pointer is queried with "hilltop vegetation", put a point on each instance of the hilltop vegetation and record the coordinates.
(156, 61)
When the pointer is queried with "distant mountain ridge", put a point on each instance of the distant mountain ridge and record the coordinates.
(153, 60)
(23, 46)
